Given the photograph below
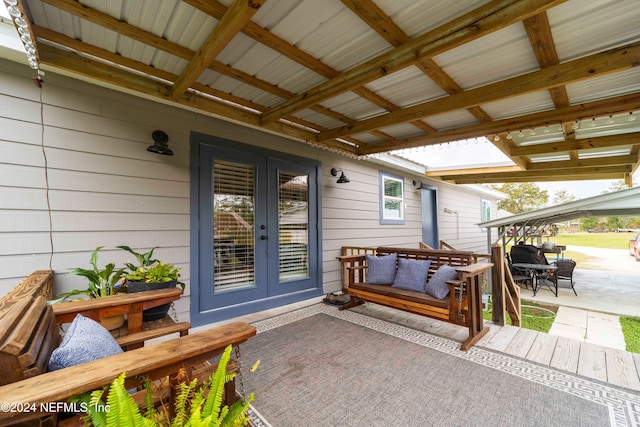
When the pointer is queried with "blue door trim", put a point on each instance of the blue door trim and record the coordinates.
(200, 316)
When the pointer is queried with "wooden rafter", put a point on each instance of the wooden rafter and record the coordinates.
(63, 40)
(579, 69)
(565, 174)
(574, 112)
(102, 72)
(244, 104)
(150, 39)
(371, 14)
(231, 23)
(484, 20)
(550, 167)
(578, 144)
(261, 35)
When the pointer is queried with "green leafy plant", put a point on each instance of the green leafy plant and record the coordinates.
(150, 270)
(194, 406)
(158, 272)
(144, 259)
(101, 282)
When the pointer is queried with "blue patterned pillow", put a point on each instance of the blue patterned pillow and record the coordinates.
(86, 340)
(437, 286)
(381, 269)
(412, 274)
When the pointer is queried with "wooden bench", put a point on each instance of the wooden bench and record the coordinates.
(30, 331)
(462, 307)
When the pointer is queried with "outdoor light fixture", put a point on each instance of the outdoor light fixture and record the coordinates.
(342, 179)
(160, 145)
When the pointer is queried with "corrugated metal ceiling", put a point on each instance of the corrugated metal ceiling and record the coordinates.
(290, 52)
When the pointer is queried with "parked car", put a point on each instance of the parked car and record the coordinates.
(634, 247)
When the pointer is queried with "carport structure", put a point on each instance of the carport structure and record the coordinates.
(528, 225)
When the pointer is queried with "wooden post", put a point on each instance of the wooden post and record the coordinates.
(497, 287)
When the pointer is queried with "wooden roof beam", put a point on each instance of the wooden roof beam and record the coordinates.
(373, 16)
(228, 27)
(484, 20)
(150, 39)
(127, 80)
(578, 144)
(566, 174)
(575, 112)
(617, 59)
(629, 159)
(263, 36)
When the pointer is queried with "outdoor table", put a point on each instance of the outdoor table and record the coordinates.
(536, 270)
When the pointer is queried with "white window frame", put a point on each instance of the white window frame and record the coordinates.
(384, 218)
(485, 206)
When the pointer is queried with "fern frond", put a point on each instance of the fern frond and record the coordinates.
(214, 399)
(123, 410)
(237, 414)
(184, 395)
(150, 410)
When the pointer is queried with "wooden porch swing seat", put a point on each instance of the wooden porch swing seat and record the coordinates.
(462, 307)
(30, 331)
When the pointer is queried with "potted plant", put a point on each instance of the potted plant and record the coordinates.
(151, 274)
(101, 283)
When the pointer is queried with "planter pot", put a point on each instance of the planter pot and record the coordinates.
(154, 313)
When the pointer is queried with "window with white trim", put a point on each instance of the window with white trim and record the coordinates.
(485, 210)
(391, 199)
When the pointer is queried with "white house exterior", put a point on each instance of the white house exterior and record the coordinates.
(106, 189)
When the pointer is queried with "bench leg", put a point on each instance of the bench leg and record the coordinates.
(476, 323)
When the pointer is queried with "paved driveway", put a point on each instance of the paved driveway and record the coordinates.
(613, 288)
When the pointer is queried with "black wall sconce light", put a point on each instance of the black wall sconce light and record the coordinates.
(160, 144)
(342, 179)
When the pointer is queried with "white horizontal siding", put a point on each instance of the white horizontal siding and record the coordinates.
(106, 189)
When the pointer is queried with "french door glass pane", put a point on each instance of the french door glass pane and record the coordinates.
(293, 220)
(233, 224)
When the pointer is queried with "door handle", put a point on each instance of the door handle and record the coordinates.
(263, 237)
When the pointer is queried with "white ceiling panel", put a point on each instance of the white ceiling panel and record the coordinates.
(582, 27)
(407, 87)
(416, 18)
(353, 106)
(518, 105)
(494, 57)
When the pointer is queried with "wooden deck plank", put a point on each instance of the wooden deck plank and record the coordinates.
(542, 349)
(493, 330)
(592, 362)
(621, 369)
(565, 356)
(503, 338)
(521, 343)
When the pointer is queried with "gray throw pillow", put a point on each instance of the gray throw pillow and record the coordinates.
(381, 269)
(412, 274)
(437, 286)
(86, 340)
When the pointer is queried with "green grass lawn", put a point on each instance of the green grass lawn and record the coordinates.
(631, 332)
(595, 240)
(535, 316)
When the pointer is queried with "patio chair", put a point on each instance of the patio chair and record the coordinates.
(529, 254)
(565, 271)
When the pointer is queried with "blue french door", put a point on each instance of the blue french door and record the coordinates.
(258, 227)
